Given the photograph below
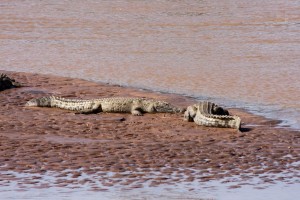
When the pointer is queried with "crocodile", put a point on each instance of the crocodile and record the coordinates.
(135, 106)
(7, 82)
(209, 114)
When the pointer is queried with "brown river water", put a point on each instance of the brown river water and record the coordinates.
(238, 53)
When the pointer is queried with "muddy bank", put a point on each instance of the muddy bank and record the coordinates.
(131, 151)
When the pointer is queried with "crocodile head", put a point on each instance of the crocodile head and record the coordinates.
(162, 106)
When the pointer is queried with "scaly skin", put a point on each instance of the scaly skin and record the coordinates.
(209, 114)
(135, 106)
(7, 83)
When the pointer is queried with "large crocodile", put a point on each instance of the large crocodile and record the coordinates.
(7, 82)
(135, 106)
(209, 114)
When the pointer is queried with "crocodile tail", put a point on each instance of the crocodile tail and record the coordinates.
(209, 108)
(41, 102)
(206, 107)
(209, 114)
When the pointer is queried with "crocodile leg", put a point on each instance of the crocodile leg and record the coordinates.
(150, 108)
(190, 113)
(95, 107)
(136, 111)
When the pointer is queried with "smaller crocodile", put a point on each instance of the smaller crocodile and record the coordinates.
(209, 114)
(135, 106)
(7, 83)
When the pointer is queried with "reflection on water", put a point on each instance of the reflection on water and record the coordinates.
(241, 53)
(49, 185)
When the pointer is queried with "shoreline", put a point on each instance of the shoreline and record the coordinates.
(40, 140)
(248, 107)
(182, 99)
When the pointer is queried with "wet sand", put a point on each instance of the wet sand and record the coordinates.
(132, 151)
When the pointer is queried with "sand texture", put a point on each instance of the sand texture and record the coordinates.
(136, 149)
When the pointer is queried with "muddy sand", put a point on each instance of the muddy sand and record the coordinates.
(132, 151)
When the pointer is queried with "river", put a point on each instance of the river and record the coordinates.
(238, 53)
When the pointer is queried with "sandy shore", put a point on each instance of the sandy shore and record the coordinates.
(137, 150)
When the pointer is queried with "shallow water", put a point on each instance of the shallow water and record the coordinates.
(237, 53)
(37, 186)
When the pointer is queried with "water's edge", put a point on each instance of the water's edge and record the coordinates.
(273, 112)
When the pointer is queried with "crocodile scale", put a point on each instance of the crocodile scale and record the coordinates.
(209, 114)
(135, 106)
